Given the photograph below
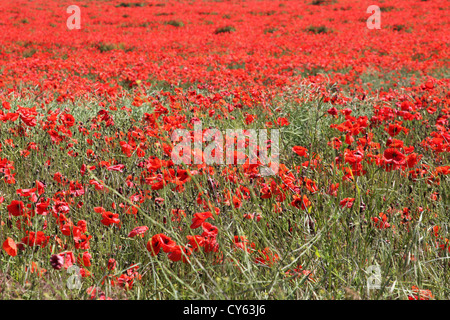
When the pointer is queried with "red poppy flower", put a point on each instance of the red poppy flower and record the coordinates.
(195, 242)
(42, 207)
(69, 258)
(25, 192)
(333, 111)
(199, 218)
(69, 229)
(68, 120)
(301, 151)
(86, 259)
(178, 253)
(82, 224)
(380, 222)
(118, 167)
(10, 247)
(137, 230)
(412, 159)
(282, 121)
(99, 209)
(154, 245)
(97, 185)
(420, 294)
(394, 129)
(209, 230)
(40, 187)
(301, 202)
(125, 282)
(160, 241)
(36, 239)
(347, 202)
(111, 264)
(249, 119)
(83, 242)
(267, 257)
(241, 242)
(178, 214)
(15, 208)
(394, 157)
(110, 218)
(251, 216)
(237, 202)
(6, 105)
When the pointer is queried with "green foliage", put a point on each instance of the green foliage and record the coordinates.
(226, 29)
(175, 23)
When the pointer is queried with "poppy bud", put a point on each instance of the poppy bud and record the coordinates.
(56, 261)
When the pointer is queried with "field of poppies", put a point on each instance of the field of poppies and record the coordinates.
(92, 205)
